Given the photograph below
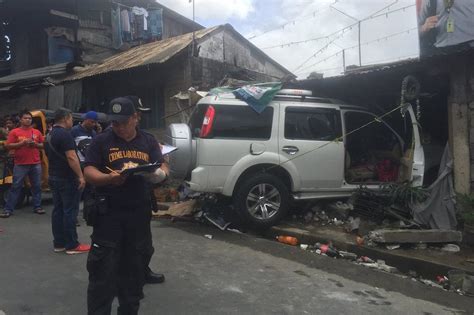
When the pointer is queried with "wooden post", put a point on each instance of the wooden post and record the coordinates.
(459, 125)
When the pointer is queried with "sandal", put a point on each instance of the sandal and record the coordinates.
(5, 214)
(39, 211)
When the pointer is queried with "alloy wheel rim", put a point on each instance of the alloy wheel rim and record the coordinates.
(263, 201)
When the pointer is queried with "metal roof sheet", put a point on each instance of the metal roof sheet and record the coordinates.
(151, 53)
(35, 74)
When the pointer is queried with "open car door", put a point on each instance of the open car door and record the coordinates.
(413, 161)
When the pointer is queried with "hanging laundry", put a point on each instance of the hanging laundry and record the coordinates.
(125, 20)
(125, 25)
(155, 24)
(116, 28)
(143, 13)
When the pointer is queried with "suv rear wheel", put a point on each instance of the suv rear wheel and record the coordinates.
(262, 200)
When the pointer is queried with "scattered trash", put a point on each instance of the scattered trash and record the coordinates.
(353, 224)
(209, 236)
(338, 222)
(308, 217)
(348, 255)
(217, 221)
(443, 281)
(421, 246)
(461, 282)
(290, 240)
(415, 236)
(452, 248)
(392, 247)
(430, 283)
(182, 209)
(304, 246)
(328, 250)
(365, 259)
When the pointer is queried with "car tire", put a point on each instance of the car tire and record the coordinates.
(262, 200)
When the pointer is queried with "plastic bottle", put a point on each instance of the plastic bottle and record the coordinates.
(290, 240)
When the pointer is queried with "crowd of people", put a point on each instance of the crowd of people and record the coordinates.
(83, 160)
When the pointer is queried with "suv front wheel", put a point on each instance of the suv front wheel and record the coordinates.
(262, 200)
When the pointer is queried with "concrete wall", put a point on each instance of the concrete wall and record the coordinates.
(228, 48)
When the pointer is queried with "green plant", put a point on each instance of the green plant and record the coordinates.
(405, 195)
(465, 205)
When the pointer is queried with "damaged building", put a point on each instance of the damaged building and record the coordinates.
(85, 58)
(45, 38)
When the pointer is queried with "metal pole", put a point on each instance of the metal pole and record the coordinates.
(360, 53)
(194, 38)
(344, 60)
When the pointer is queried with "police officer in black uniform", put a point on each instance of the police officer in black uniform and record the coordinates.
(150, 276)
(121, 211)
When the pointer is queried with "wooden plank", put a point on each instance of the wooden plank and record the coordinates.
(64, 14)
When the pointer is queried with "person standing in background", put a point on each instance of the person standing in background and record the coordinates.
(26, 142)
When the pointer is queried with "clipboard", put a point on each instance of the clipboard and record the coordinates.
(145, 168)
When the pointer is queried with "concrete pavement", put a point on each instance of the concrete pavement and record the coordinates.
(230, 273)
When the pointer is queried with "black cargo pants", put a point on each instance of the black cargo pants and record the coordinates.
(120, 245)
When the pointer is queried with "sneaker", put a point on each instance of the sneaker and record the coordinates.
(59, 249)
(5, 214)
(39, 211)
(81, 248)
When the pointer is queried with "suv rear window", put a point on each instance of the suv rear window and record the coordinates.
(321, 124)
(238, 122)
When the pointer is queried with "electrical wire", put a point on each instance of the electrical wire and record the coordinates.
(347, 28)
(363, 44)
(305, 17)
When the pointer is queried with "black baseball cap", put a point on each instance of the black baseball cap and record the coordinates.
(137, 102)
(120, 109)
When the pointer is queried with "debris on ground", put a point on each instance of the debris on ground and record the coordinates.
(209, 236)
(452, 248)
(218, 221)
(182, 209)
(392, 247)
(289, 240)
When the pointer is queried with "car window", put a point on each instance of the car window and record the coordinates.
(242, 122)
(374, 134)
(312, 124)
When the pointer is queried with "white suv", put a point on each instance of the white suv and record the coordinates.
(299, 147)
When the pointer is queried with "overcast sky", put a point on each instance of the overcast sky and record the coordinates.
(269, 23)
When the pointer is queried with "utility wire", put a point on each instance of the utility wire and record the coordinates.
(287, 44)
(363, 44)
(305, 17)
(347, 28)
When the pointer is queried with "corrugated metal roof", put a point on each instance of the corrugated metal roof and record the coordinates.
(151, 53)
(35, 74)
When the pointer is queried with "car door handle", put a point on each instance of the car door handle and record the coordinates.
(291, 150)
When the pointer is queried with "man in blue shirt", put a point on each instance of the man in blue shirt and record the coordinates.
(84, 132)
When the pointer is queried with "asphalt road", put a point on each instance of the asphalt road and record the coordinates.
(228, 274)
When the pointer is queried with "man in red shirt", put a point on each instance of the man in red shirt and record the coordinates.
(26, 142)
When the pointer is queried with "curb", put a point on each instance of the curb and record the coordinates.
(425, 268)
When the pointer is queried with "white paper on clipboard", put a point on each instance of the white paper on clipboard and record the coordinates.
(167, 149)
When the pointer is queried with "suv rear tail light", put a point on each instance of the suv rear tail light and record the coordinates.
(207, 122)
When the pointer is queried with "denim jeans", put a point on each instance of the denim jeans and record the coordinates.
(19, 173)
(66, 198)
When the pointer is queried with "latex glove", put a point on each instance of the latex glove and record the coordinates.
(156, 177)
